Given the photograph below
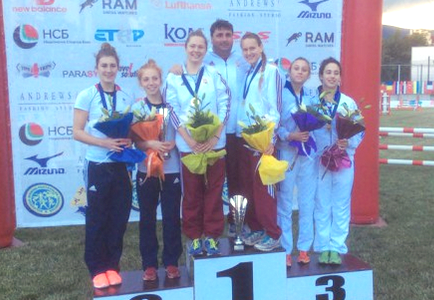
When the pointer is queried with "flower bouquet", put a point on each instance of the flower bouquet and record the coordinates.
(202, 126)
(348, 123)
(308, 118)
(258, 136)
(116, 125)
(148, 127)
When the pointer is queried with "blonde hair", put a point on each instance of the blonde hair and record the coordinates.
(150, 64)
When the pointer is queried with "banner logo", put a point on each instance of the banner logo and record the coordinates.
(35, 70)
(31, 134)
(313, 13)
(42, 162)
(26, 36)
(87, 3)
(43, 200)
(293, 37)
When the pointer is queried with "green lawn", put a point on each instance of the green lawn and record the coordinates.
(50, 264)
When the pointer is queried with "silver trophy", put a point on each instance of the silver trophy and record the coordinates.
(239, 205)
(165, 113)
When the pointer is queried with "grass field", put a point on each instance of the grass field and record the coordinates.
(50, 264)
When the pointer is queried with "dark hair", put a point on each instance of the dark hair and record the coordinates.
(150, 64)
(303, 59)
(198, 33)
(327, 61)
(254, 36)
(106, 50)
(221, 24)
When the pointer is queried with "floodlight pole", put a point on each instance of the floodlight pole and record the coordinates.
(361, 64)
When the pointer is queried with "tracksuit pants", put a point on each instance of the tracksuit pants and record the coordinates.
(109, 195)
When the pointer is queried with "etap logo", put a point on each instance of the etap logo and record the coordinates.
(118, 35)
(26, 36)
(43, 168)
(41, 6)
(313, 13)
(36, 70)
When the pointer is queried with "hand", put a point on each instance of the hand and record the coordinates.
(270, 149)
(176, 69)
(208, 145)
(116, 145)
(342, 144)
(299, 136)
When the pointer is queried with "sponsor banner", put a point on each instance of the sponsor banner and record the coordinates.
(51, 47)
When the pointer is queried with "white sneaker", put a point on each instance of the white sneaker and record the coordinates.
(268, 244)
(253, 237)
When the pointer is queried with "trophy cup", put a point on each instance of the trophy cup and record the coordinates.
(239, 204)
(165, 114)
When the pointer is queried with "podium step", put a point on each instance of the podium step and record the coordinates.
(249, 275)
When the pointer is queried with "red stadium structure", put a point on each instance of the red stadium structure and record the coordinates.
(361, 46)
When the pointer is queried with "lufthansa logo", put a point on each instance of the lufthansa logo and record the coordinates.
(43, 200)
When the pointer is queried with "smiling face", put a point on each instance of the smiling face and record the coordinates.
(252, 51)
(222, 41)
(195, 49)
(299, 72)
(107, 70)
(331, 77)
(150, 81)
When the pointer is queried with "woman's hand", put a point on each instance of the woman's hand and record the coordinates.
(116, 145)
(208, 145)
(342, 144)
(299, 136)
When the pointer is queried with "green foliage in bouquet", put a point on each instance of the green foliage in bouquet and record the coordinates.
(259, 124)
(141, 116)
(113, 115)
(198, 115)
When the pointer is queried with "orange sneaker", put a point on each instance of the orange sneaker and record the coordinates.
(303, 257)
(150, 274)
(100, 281)
(288, 260)
(113, 277)
(172, 272)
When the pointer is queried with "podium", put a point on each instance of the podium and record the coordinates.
(249, 275)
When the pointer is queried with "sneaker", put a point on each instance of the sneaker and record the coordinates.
(268, 244)
(324, 257)
(253, 237)
(172, 272)
(100, 281)
(303, 257)
(335, 258)
(150, 274)
(195, 247)
(211, 246)
(113, 277)
(288, 260)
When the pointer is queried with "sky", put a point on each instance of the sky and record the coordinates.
(411, 14)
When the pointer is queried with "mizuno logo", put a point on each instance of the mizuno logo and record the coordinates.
(42, 162)
(313, 5)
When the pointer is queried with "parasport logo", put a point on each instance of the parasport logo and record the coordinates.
(36, 70)
(41, 6)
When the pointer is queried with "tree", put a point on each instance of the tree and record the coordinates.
(396, 50)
